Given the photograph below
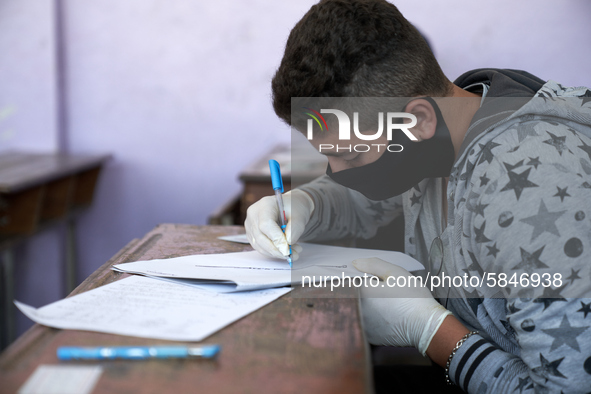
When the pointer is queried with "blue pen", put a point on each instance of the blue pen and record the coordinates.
(136, 352)
(278, 187)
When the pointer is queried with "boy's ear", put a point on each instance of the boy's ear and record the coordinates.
(426, 118)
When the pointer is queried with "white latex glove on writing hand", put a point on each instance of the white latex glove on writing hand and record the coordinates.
(262, 228)
(398, 316)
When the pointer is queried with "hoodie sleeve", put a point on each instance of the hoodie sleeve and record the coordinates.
(344, 213)
(527, 224)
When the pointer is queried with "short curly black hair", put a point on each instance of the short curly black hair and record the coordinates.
(355, 48)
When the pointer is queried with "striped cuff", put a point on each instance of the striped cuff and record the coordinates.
(474, 362)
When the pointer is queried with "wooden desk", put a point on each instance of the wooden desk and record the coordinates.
(38, 190)
(38, 187)
(293, 345)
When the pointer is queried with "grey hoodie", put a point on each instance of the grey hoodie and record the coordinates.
(519, 203)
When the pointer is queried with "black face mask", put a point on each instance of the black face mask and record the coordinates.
(396, 172)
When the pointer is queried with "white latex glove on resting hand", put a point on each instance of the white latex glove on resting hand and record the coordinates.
(263, 231)
(398, 316)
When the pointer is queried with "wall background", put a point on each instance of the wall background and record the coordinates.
(179, 93)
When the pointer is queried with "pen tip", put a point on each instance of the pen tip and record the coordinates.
(289, 261)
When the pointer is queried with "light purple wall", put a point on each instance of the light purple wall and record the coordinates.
(27, 85)
(178, 91)
(551, 39)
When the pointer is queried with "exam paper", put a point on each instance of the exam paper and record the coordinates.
(149, 308)
(252, 270)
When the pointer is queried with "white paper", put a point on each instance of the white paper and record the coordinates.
(251, 270)
(150, 308)
(62, 379)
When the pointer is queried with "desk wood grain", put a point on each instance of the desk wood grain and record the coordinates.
(297, 344)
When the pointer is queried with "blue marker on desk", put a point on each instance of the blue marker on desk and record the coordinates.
(277, 181)
(136, 352)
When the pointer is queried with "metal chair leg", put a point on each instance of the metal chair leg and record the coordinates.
(70, 255)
